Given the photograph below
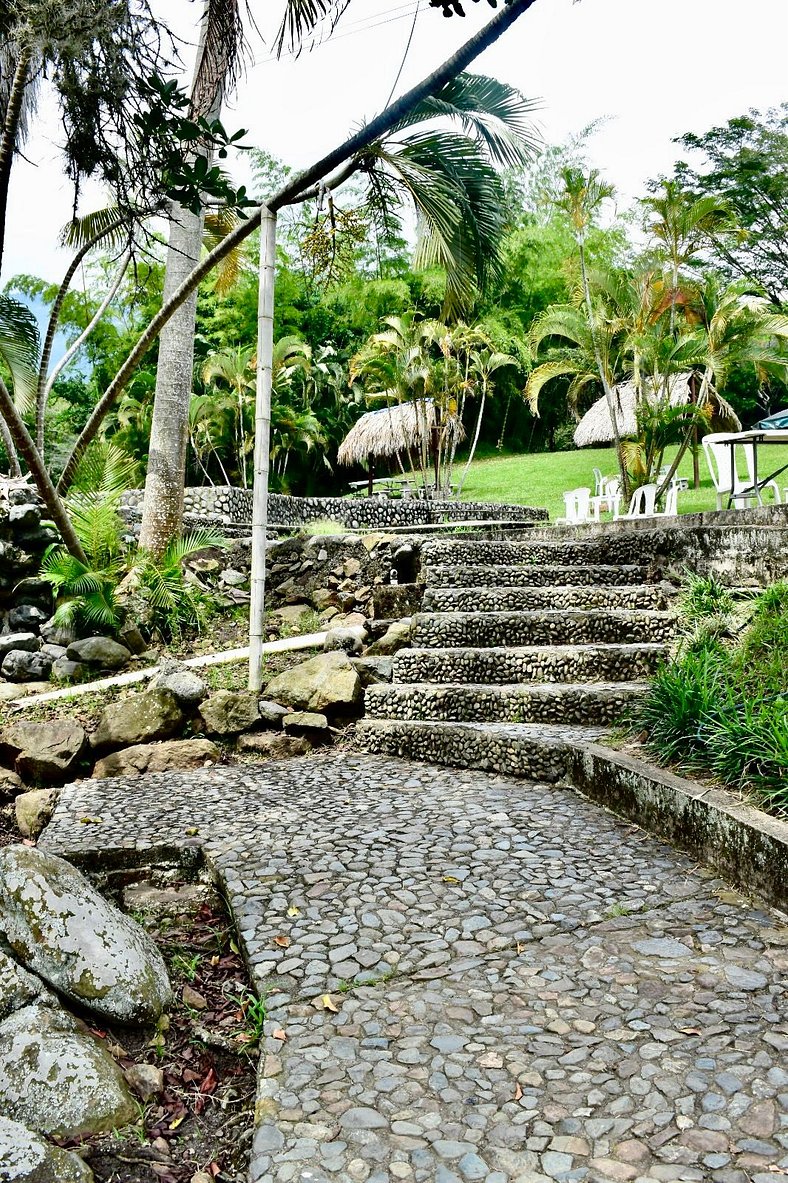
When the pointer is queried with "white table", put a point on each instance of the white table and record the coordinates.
(758, 439)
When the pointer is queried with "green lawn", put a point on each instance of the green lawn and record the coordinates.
(541, 479)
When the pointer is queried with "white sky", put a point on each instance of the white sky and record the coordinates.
(653, 68)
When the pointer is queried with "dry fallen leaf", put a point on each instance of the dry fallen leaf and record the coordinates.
(518, 1091)
(193, 998)
(690, 1030)
(282, 941)
(293, 910)
(450, 879)
(328, 1004)
(279, 1034)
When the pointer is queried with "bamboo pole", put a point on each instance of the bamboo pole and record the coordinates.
(262, 444)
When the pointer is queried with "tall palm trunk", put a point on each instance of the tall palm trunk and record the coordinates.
(609, 395)
(10, 132)
(14, 469)
(162, 509)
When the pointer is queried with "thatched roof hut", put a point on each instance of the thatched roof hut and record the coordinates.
(596, 426)
(390, 430)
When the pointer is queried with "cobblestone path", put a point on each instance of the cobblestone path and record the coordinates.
(526, 988)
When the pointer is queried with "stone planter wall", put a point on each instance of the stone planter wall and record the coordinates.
(224, 505)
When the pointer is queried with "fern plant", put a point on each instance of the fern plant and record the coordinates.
(177, 606)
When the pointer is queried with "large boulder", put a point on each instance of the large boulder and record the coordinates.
(102, 652)
(18, 641)
(174, 755)
(10, 784)
(374, 670)
(327, 684)
(26, 618)
(396, 637)
(26, 1158)
(349, 640)
(34, 809)
(140, 718)
(20, 665)
(227, 712)
(61, 928)
(49, 752)
(57, 1078)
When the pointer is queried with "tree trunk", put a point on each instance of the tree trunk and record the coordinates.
(10, 132)
(30, 453)
(289, 194)
(162, 506)
(14, 469)
(163, 503)
(609, 396)
(472, 452)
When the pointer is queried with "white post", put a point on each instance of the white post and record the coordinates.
(262, 444)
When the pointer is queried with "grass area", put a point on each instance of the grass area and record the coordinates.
(541, 478)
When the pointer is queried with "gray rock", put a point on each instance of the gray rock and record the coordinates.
(227, 712)
(27, 515)
(146, 1079)
(18, 641)
(102, 652)
(233, 578)
(349, 640)
(53, 651)
(306, 723)
(326, 683)
(745, 979)
(273, 745)
(47, 752)
(33, 810)
(130, 636)
(26, 618)
(373, 670)
(140, 718)
(65, 670)
(21, 665)
(271, 713)
(187, 688)
(26, 1158)
(61, 928)
(57, 634)
(396, 637)
(10, 784)
(170, 756)
(57, 1078)
(362, 1118)
(662, 947)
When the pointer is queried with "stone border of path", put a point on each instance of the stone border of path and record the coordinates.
(745, 845)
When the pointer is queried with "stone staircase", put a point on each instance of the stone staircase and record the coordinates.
(520, 649)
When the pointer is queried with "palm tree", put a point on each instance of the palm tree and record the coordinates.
(737, 329)
(483, 365)
(582, 196)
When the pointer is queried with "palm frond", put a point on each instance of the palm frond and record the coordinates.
(301, 16)
(492, 112)
(20, 346)
(106, 223)
(217, 225)
(543, 374)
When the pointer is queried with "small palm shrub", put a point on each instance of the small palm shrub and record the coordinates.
(176, 606)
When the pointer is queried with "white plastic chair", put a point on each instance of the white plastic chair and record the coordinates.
(599, 481)
(576, 508)
(671, 503)
(718, 458)
(641, 503)
(749, 457)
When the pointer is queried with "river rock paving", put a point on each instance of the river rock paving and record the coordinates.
(474, 977)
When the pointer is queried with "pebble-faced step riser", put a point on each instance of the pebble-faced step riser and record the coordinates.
(524, 599)
(459, 746)
(599, 705)
(531, 575)
(622, 549)
(476, 629)
(549, 663)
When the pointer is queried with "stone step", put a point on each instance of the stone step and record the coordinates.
(441, 630)
(533, 575)
(535, 752)
(589, 704)
(536, 663)
(648, 597)
(615, 548)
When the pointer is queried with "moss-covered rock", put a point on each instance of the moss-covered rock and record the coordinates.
(327, 684)
(60, 927)
(57, 1078)
(25, 1157)
(140, 718)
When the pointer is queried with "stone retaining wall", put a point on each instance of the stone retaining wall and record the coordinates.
(226, 505)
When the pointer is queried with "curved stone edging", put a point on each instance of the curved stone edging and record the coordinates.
(745, 845)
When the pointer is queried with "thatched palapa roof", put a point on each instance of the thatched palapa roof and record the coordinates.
(390, 430)
(596, 426)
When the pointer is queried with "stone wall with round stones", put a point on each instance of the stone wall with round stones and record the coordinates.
(225, 505)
